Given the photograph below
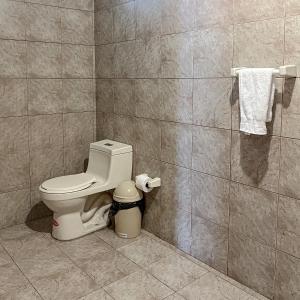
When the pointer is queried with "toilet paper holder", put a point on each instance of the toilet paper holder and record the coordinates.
(146, 183)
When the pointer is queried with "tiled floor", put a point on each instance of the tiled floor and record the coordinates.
(103, 266)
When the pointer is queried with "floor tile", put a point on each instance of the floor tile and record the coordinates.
(82, 249)
(11, 279)
(97, 295)
(137, 286)
(211, 287)
(176, 271)
(65, 285)
(112, 239)
(27, 293)
(4, 257)
(109, 267)
(145, 251)
(175, 297)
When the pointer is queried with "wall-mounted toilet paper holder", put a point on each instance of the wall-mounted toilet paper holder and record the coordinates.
(146, 183)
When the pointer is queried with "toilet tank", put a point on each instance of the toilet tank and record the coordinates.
(110, 161)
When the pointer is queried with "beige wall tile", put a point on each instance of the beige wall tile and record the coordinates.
(209, 243)
(75, 159)
(78, 95)
(292, 41)
(148, 58)
(249, 10)
(14, 134)
(213, 12)
(148, 18)
(124, 22)
(14, 207)
(287, 277)
(78, 4)
(104, 95)
(12, 20)
(255, 160)
(46, 131)
(177, 16)
(125, 130)
(253, 213)
(177, 56)
(210, 198)
(124, 100)
(44, 96)
(213, 51)
(289, 168)
(124, 64)
(266, 47)
(292, 7)
(13, 97)
(251, 264)
(104, 26)
(104, 56)
(211, 151)
(43, 23)
(15, 166)
(148, 138)
(212, 102)
(147, 98)
(44, 60)
(77, 61)
(13, 59)
(176, 100)
(77, 27)
(104, 126)
(288, 231)
(176, 143)
(78, 128)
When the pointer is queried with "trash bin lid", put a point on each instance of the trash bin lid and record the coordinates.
(127, 192)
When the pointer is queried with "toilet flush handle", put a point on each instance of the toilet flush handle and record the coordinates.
(155, 182)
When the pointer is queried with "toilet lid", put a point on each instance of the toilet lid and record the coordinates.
(69, 183)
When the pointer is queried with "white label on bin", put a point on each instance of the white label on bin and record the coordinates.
(123, 235)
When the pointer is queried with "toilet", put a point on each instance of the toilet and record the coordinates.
(110, 163)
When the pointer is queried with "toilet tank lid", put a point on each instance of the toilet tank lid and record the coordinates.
(111, 147)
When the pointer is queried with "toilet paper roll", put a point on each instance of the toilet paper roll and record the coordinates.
(141, 182)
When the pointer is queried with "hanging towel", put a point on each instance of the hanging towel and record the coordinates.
(257, 89)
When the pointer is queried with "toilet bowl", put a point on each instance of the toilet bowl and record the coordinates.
(110, 163)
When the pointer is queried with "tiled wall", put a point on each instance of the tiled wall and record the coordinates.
(47, 98)
(164, 86)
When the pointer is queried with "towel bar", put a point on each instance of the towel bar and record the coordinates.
(282, 71)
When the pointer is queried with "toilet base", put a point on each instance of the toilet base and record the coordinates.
(70, 226)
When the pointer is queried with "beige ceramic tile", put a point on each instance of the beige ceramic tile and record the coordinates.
(75, 159)
(266, 47)
(210, 198)
(78, 4)
(177, 56)
(211, 151)
(77, 27)
(292, 7)
(253, 213)
(251, 264)
(211, 287)
(26, 293)
(104, 95)
(177, 16)
(288, 230)
(12, 20)
(249, 10)
(287, 280)
(255, 160)
(124, 22)
(289, 169)
(109, 267)
(145, 251)
(104, 26)
(176, 143)
(13, 100)
(45, 96)
(176, 100)
(124, 100)
(43, 23)
(104, 57)
(97, 295)
(210, 243)
(139, 285)
(175, 271)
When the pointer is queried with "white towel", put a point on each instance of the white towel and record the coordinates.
(257, 89)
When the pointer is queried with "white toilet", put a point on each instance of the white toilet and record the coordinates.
(110, 163)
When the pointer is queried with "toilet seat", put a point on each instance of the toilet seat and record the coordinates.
(68, 184)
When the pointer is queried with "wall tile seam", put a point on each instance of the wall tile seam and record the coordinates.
(46, 42)
(223, 225)
(43, 4)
